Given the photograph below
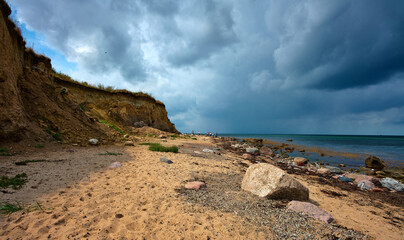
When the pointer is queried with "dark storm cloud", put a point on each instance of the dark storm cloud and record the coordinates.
(340, 45)
(290, 66)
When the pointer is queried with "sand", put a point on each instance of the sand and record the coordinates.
(145, 198)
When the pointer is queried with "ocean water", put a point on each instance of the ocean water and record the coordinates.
(388, 148)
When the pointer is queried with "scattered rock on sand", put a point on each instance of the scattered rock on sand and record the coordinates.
(129, 143)
(344, 179)
(266, 180)
(162, 136)
(165, 160)
(93, 141)
(115, 165)
(300, 161)
(195, 185)
(207, 150)
(247, 156)
(334, 170)
(310, 209)
(267, 151)
(392, 184)
(323, 171)
(197, 152)
(375, 163)
(252, 150)
(366, 185)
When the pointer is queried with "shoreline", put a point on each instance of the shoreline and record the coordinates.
(145, 198)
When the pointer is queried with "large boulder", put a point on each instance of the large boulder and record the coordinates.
(375, 163)
(301, 161)
(310, 209)
(267, 151)
(266, 180)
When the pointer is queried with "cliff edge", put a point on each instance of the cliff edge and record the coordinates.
(37, 104)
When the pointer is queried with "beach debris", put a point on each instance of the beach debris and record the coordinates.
(115, 165)
(323, 171)
(344, 179)
(392, 184)
(195, 185)
(300, 161)
(247, 156)
(207, 150)
(93, 141)
(366, 185)
(165, 160)
(129, 143)
(252, 150)
(374, 162)
(310, 209)
(267, 151)
(334, 170)
(266, 180)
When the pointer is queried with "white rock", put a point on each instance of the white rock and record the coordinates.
(93, 141)
(392, 184)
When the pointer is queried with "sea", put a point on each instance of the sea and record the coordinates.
(389, 148)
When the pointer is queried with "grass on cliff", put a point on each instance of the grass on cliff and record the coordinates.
(111, 126)
(4, 152)
(16, 182)
(101, 87)
(157, 147)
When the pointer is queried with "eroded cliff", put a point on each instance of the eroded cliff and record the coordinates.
(37, 105)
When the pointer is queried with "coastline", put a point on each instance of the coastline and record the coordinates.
(145, 198)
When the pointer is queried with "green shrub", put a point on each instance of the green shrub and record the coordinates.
(4, 152)
(39, 146)
(8, 208)
(157, 147)
(16, 182)
(111, 126)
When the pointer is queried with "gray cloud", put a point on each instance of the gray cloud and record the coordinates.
(293, 66)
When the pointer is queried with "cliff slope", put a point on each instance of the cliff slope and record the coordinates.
(38, 105)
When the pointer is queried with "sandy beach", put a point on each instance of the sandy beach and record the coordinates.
(81, 198)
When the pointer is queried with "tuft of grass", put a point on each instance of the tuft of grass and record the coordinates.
(110, 153)
(15, 182)
(111, 126)
(40, 146)
(194, 139)
(157, 147)
(28, 161)
(147, 143)
(57, 136)
(8, 208)
(4, 152)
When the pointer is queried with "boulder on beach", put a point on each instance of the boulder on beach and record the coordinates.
(323, 171)
(310, 209)
(392, 184)
(334, 170)
(374, 162)
(247, 156)
(267, 151)
(266, 180)
(366, 185)
(300, 161)
(93, 141)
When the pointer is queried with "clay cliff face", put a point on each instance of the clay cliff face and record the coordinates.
(36, 105)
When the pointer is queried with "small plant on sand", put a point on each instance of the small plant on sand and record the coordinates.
(4, 152)
(110, 153)
(40, 146)
(147, 143)
(8, 208)
(15, 182)
(194, 139)
(111, 126)
(29, 161)
(157, 147)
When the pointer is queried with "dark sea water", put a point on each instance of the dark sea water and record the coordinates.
(388, 148)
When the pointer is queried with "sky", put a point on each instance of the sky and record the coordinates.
(231, 66)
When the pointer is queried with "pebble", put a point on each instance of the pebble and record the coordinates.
(115, 165)
(195, 185)
(165, 160)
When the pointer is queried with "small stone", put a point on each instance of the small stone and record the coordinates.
(74, 144)
(129, 143)
(267, 151)
(119, 215)
(366, 185)
(165, 160)
(323, 171)
(207, 150)
(162, 136)
(252, 150)
(344, 179)
(300, 161)
(247, 156)
(376, 189)
(93, 141)
(195, 185)
(115, 165)
(197, 152)
(126, 136)
(310, 209)
(334, 170)
(342, 165)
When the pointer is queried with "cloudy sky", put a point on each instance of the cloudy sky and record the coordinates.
(241, 66)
